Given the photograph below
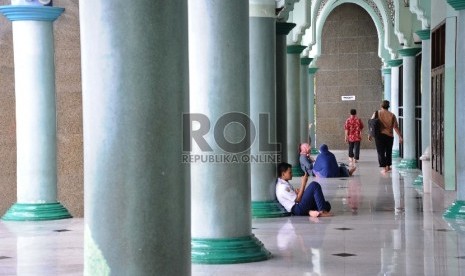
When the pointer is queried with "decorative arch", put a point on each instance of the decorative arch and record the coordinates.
(381, 12)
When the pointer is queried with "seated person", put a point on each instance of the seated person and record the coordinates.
(306, 162)
(300, 202)
(327, 166)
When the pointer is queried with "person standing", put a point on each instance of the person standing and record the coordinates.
(384, 141)
(353, 135)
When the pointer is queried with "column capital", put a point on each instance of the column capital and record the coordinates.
(395, 62)
(305, 61)
(409, 52)
(312, 70)
(386, 71)
(262, 8)
(31, 13)
(457, 4)
(424, 34)
(283, 28)
(295, 49)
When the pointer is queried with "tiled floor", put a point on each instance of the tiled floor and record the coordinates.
(383, 225)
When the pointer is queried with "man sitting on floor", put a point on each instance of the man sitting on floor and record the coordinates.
(301, 201)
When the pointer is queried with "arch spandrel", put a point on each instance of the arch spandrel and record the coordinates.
(381, 11)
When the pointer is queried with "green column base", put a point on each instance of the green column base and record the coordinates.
(456, 210)
(315, 151)
(419, 180)
(228, 251)
(268, 209)
(395, 154)
(297, 171)
(407, 164)
(36, 211)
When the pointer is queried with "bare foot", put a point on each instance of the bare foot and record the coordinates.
(326, 214)
(314, 214)
(383, 171)
(352, 170)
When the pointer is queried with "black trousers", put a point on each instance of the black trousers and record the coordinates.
(384, 148)
(354, 146)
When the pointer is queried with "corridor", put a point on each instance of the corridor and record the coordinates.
(383, 225)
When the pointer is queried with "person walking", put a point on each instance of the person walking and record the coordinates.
(384, 141)
(353, 135)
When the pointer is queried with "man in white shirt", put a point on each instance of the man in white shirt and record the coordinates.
(301, 201)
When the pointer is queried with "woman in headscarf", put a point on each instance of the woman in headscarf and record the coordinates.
(326, 165)
(306, 162)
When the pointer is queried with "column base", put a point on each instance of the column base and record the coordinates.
(268, 209)
(228, 251)
(407, 164)
(395, 154)
(419, 180)
(36, 211)
(315, 151)
(455, 211)
(297, 171)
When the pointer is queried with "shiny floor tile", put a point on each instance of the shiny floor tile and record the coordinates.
(382, 225)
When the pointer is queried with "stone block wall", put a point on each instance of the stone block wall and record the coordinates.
(348, 65)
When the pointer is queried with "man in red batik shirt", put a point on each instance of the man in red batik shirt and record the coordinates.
(353, 135)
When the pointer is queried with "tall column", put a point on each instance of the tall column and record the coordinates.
(457, 210)
(409, 160)
(304, 99)
(135, 90)
(425, 97)
(395, 63)
(219, 86)
(293, 106)
(425, 88)
(311, 110)
(262, 41)
(282, 30)
(35, 113)
(387, 83)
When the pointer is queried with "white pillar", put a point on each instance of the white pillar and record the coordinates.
(387, 83)
(219, 89)
(135, 90)
(35, 113)
(395, 63)
(409, 160)
(425, 88)
(311, 110)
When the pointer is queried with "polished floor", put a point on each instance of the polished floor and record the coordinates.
(382, 225)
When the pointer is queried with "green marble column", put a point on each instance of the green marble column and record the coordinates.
(293, 107)
(135, 90)
(262, 41)
(219, 86)
(456, 211)
(282, 30)
(304, 99)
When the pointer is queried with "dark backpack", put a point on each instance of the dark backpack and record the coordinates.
(374, 126)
